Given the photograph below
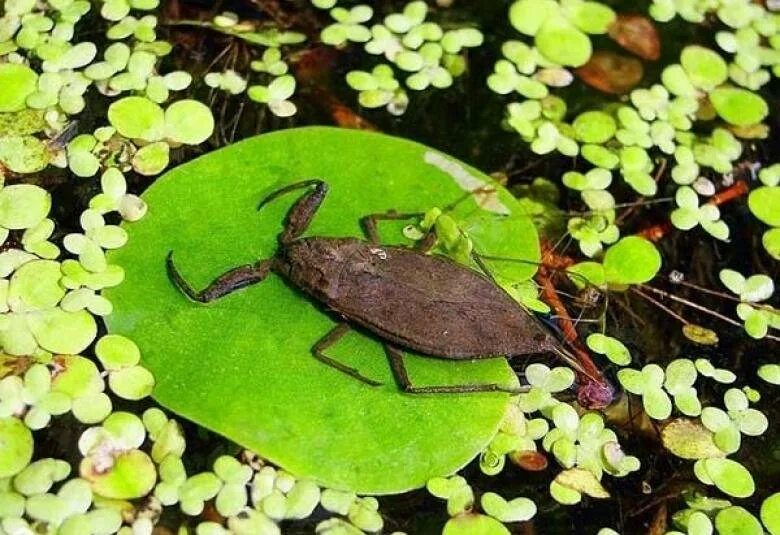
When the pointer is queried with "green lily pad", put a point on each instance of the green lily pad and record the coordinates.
(242, 366)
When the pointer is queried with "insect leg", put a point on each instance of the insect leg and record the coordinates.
(396, 358)
(302, 212)
(226, 283)
(369, 222)
(328, 340)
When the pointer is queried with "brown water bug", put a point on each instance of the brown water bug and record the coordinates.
(450, 311)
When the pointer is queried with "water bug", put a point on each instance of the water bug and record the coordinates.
(408, 299)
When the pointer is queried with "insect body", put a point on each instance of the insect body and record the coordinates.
(407, 298)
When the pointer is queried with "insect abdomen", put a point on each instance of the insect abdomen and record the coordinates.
(426, 303)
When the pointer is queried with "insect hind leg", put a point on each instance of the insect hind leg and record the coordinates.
(396, 359)
(336, 334)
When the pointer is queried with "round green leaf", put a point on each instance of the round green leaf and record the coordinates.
(594, 127)
(730, 477)
(16, 446)
(23, 154)
(770, 513)
(764, 202)
(132, 475)
(591, 17)
(562, 43)
(770, 373)
(704, 67)
(771, 241)
(67, 333)
(474, 524)
(527, 16)
(151, 159)
(17, 82)
(23, 206)
(260, 385)
(632, 260)
(739, 107)
(137, 118)
(189, 122)
(737, 520)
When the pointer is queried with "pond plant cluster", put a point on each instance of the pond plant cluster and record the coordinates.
(89, 102)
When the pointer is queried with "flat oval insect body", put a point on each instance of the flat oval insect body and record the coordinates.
(427, 303)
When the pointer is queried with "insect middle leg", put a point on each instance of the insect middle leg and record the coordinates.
(396, 358)
(369, 224)
(230, 281)
(336, 334)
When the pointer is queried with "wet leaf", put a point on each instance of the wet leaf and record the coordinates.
(611, 73)
(637, 34)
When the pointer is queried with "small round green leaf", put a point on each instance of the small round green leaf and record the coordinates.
(704, 67)
(16, 446)
(189, 122)
(17, 82)
(730, 477)
(739, 107)
(764, 202)
(737, 520)
(137, 118)
(632, 260)
(561, 42)
(770, 513)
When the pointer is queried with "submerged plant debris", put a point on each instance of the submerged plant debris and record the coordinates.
(632, 202)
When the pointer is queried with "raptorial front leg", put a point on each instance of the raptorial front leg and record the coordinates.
(228, 282)
(336, 334)
(396, 358)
